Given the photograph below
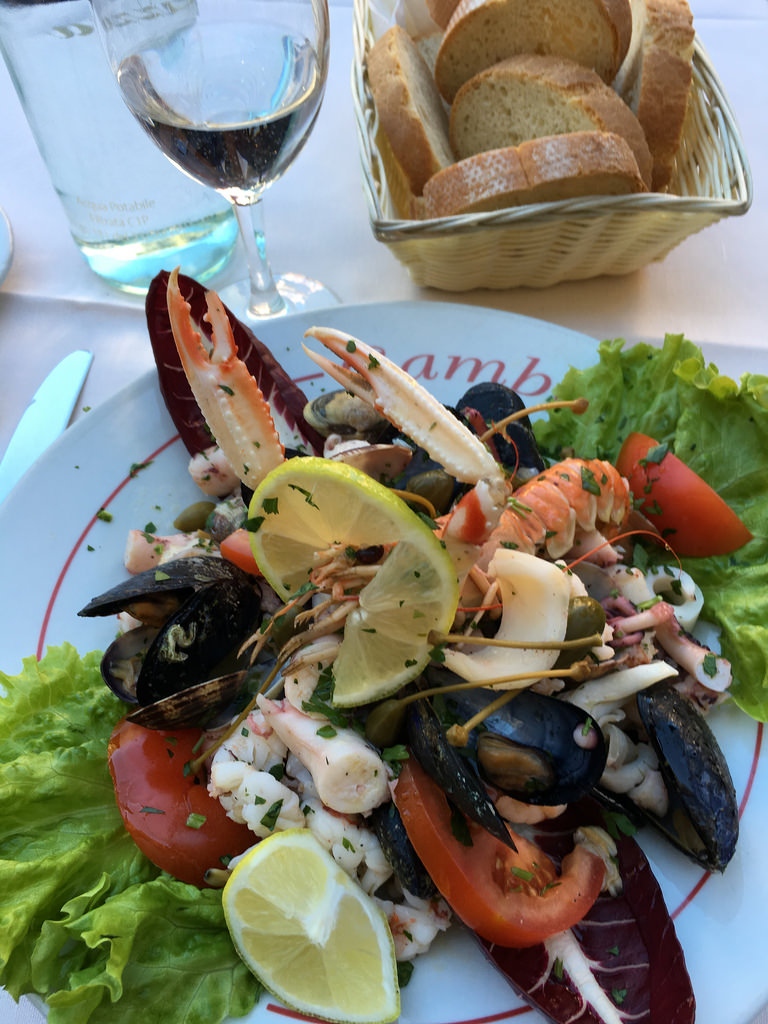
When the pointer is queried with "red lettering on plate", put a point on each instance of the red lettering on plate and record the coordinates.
(528, 375)
(477, 368)
(428, 371)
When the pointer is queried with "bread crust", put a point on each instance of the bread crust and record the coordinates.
(540, 170)
(409, 106)
(488, 111)
(665, 82)
(482, 32)
(441, 11)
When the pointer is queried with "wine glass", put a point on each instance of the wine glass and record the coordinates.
(229, 90)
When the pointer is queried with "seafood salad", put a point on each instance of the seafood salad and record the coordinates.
(555, 700)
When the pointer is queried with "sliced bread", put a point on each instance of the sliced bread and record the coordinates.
(541, 170)
(441, 11)
(655, 78)
(595, 33)
(528, 97)
(410, 109)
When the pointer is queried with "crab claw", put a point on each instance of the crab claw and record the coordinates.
(396, 395)
(229, 397)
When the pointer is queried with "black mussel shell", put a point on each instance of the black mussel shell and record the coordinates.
(122, 660)
(703, 818)
(197, 706)
(211, 623)
(494, 401)
(157, 593)
(453, 773)
(536, 748)
(386, 822)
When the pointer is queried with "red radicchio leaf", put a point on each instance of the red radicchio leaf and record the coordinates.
(285, 398)
(630, 939)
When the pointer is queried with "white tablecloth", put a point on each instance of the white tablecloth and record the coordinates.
(713, 287)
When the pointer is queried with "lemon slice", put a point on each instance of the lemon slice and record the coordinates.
(308, 504)
(310, 934)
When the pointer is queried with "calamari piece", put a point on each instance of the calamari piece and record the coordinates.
(707, 668)
(602, 697)
(229, 397)
(348, 773)
(535, 595)
(380, 382)
(680, 590)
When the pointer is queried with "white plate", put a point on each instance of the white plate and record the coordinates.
(6, 245)
(68, 555)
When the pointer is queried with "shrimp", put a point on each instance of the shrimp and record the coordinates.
(573, 500)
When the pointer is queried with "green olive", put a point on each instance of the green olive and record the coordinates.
(385, 723)
(586, 617)
(194, 516)
(436, 486)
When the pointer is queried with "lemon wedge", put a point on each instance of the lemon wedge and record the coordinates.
(310, 934)
(308, 504)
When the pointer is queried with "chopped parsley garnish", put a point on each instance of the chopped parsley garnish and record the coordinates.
(709, 665)
(270, 818)
(195, 820)
(588, 481)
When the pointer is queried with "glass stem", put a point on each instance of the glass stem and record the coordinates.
(265, 300)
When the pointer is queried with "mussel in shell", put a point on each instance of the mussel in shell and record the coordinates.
(196, 705)
(386, 822)
(536, 748)
(199, 611)
(703, 816)
(339, 412)
(489, 402)
(453, 773)
(153, 595)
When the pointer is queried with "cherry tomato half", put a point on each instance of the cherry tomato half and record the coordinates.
(170, 815)
(692, 518)
(236, 548)
(512, 899)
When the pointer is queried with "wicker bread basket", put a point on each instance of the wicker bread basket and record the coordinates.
(540, 244)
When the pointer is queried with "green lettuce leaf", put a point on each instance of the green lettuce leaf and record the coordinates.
(717, 427)
(86, 921)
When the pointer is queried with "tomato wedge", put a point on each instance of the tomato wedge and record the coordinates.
(168, 813)
(513, 899)
(692, 518)
(236, 548)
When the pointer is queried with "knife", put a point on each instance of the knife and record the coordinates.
(46, 416)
